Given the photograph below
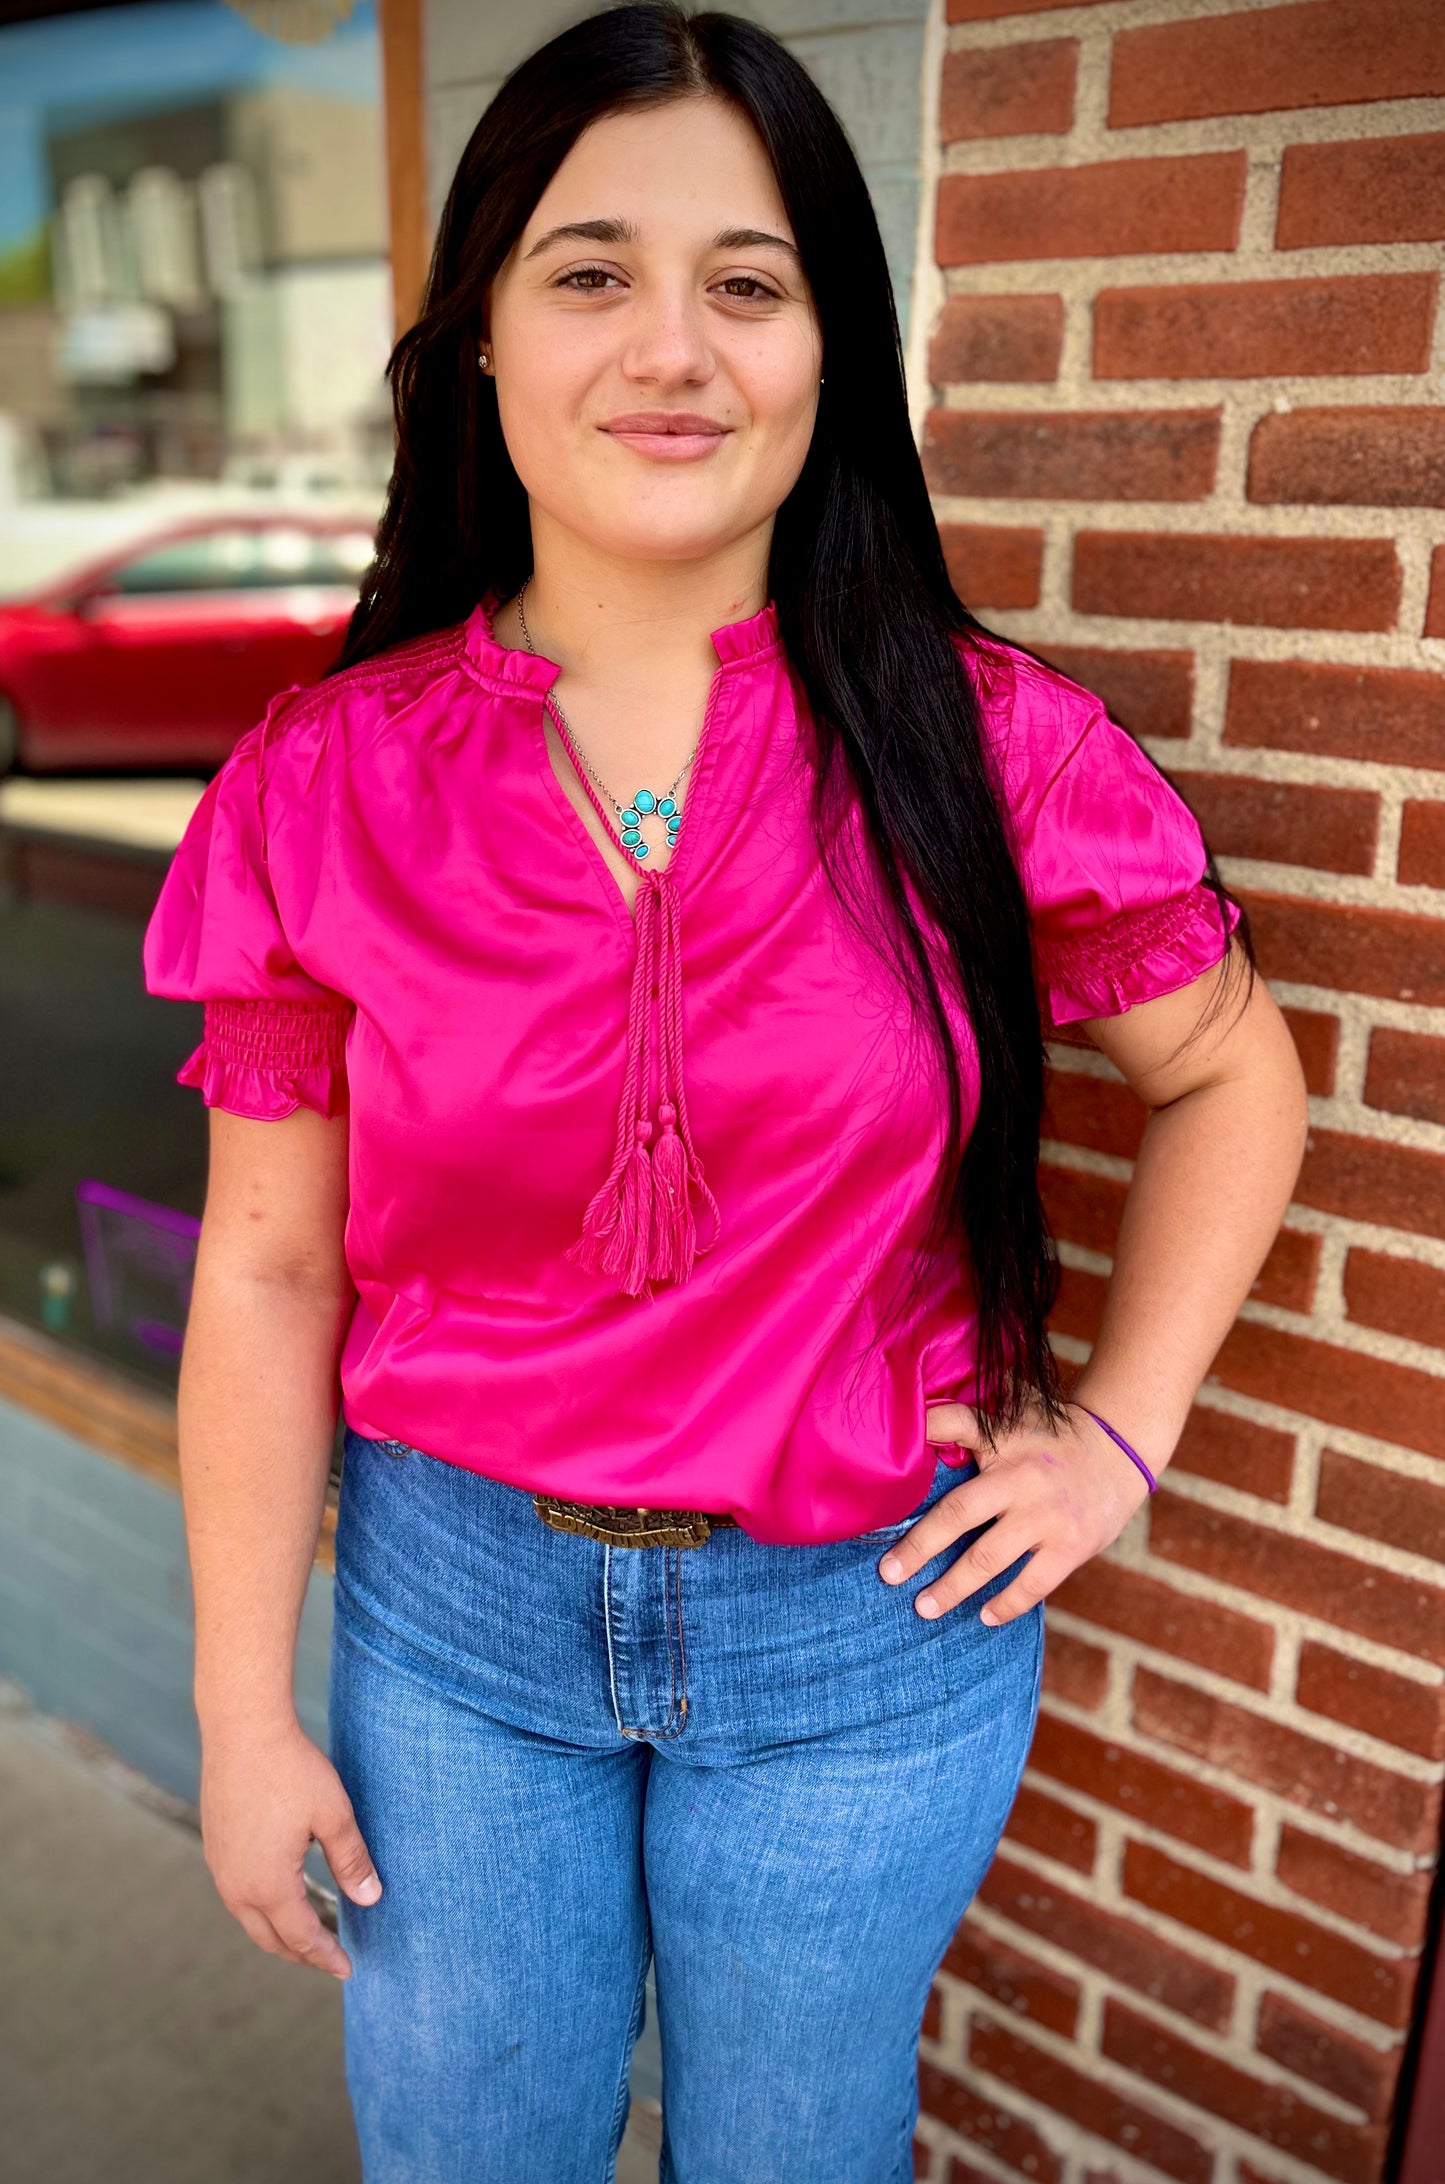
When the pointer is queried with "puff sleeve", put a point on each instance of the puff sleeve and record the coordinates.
(1113, 859)
(274, 1039)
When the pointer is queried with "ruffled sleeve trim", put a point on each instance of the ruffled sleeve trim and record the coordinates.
(1140, 955)
(264, 1059)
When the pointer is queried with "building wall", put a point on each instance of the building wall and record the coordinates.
(1187, 439)
(95, 1602)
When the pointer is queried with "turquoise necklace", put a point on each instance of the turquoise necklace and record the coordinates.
(644, 802)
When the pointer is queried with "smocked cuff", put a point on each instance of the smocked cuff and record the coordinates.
(1140, 955)
(264, 1059)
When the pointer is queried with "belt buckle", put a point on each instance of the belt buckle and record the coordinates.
(621, 1527)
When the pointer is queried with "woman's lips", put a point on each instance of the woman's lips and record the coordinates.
(672, 440)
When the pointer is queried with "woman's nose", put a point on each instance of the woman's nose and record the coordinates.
(667, 341)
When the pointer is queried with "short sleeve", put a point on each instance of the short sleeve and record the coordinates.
(275, 1039)
(1113, 860)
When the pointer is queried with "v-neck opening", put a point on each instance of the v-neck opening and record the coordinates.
(754, 637)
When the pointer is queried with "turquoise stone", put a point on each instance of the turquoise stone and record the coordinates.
(673, 829)
(632, 818)
(630, 837)
(645, 800)
(666, 808)
(640, 850)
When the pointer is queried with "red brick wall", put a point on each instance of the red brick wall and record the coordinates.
(1187, 442)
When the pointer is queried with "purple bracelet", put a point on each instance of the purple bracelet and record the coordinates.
(1118, 1439)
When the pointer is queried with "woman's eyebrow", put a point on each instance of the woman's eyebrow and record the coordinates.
(625, 231)
(584, 231)
(750, 238)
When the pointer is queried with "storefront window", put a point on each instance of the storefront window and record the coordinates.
(195, 433)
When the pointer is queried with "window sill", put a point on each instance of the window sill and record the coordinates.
(106, 1410)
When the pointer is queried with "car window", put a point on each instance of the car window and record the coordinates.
(245, 559)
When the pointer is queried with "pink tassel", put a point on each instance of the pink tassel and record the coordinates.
(674, 1231)
(640, 1226)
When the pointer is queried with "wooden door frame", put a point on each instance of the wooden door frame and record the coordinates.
(403, 84)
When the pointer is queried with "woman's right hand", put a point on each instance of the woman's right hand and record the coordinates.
(264, 1796)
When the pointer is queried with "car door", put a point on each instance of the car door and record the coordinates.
(179, 648)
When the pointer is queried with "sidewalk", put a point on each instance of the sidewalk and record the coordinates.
(145, 2040)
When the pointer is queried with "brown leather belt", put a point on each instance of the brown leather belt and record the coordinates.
(619, 1527)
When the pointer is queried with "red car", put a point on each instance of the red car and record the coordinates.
(163, 652)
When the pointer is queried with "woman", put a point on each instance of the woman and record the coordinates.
(626, 1064)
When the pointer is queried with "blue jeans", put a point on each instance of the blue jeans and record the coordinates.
(753, 1764)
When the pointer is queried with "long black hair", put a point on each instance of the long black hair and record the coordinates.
(868, 618)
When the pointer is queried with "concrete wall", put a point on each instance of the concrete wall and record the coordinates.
(867, 55)
(95, 1602)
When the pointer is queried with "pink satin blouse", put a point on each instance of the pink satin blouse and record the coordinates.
(389, 906)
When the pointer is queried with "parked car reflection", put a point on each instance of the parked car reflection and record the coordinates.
(164, 653)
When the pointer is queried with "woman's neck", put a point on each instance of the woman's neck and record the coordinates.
(633, 630)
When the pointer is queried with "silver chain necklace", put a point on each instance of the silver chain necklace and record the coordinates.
(645, 803)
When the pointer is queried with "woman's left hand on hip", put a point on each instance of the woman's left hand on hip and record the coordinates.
(1056, 1496)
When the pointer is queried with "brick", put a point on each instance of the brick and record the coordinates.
(1393, 1905)
(994, 564)
(1350, 2068)
(1363, 1696)
(1324, 53)
(1435, 604)
(1079, 1306)
(1097, 2107)
(1174, 1802)
(1291, 1271)
(1405, 1074)
(982, 11)
(1359, 458)
(1384, 952)
(1371, 1179)
(1150, 693)
(1422, 842)
(1401, 1296)
(1053, 1829)
(1117, 208)
(1283, 1940)
(1100, 1112)
(1317, 1581)
(1337, 324)
(1394, 716)
(1304, 1770)
(1316, 1035)
(1275, 583)
(1156, 1614)
(1082, 1208)
(1380, 1504)
(1117, 1946)
(1270, 2112)
(1337, 1386)
(1116, 455)
(984, 2124)
(1075, 1671)
(933, 2015)
(1284, 822)
(1020, 1983)
(998, 338)
(1236, 1452)
(1374, 190)
(1009, 90)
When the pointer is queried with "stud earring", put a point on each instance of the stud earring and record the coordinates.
(481, 360)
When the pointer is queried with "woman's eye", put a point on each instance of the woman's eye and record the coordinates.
(589, 278)
(760, 291)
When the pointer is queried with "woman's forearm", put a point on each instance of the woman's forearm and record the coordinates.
(257, 1424)
(1211, 1183)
